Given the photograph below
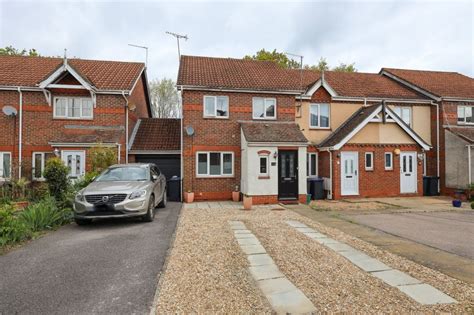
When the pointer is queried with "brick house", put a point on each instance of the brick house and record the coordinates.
(264, 130)
(64, 107)
(452, 123)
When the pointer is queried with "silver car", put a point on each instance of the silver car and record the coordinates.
(122, 191)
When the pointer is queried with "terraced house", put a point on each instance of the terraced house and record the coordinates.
(264, 130)
(64, 107)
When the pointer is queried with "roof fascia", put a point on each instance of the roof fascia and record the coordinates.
(59, 71)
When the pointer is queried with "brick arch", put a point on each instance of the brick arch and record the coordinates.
(263, 152)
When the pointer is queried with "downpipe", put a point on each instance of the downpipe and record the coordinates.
(20, 133)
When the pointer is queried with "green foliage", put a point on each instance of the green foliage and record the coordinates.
(42, 215)
(164, 98)
(345, 67)
(12, 51)
(12, 229)
(102, 157)
(56, 174)
(39, 191)
(280, 58)
(321, 66)
(472, 205)
(84, 181)
(19, 188)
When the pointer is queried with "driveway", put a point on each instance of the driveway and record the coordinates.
(108, 267)
(451, 231)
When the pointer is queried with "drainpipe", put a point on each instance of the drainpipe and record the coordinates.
(437, 144)
(126, 127)
(20, 133)
(469, 163)
(118, 155)
(330, 174)
(181, 142)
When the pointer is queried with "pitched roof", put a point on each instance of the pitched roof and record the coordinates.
(465, 133)
(89, 136)
(209, 72)
(104, 75)
(265, 131)
(348, 126)
(442, 84)
(157, 134)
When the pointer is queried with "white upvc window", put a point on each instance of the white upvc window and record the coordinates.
(5, 165)
(38, 163)
(466, 115)
(264, 108)
(73, 107)
(263, 166)
(404, 112)
(312, 165)
(369, 161)
(216, 106)
(319, 116)
(215, 164)
(388, 160)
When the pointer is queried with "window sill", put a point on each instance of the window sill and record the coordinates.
(320, 128)
(465, 124)
(389, 169)
(212, 117)
(39, 179)
(78, 118)
(369, 169)
(264, 177)
(255, 118)
(214, 176)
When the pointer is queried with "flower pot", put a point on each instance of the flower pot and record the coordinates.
(235, 196)
(247, 202)
(188, 197)
(457, 203)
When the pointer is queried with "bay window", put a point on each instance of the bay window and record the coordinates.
(215, 164)
(465, 114)
(319, 115)
(216, 106)
(263, 108)
(72, 107)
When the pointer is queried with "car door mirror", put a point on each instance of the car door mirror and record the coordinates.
(154, 177)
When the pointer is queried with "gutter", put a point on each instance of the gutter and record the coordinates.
(222, 89)
(20, 133)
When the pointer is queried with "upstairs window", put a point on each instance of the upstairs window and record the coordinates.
(263, 108)
(465, 114)
(404, 113)
(5, 164)
(319, 115)
(72, 108)
(216, 106)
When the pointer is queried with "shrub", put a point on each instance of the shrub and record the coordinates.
(39, 191)
(56, 174)
(86, 180)
(12, 229)
(472, 205)
(42, 215)
(102, 157)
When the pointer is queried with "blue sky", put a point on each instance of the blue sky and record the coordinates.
(434, 35)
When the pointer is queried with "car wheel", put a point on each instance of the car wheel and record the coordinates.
(164, 201)
(150, 214)
(83, 221)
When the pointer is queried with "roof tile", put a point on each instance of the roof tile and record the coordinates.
(272, 132)
(157, 134)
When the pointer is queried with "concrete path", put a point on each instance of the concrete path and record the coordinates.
(108, 267)
(420, 292)
(449, 231)
(284, 296)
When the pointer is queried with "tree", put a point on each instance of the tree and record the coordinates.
(164, 98)
(280, 58)
(345, 67)
(321, 66)
(12, 51)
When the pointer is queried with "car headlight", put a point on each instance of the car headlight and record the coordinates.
(137, 194)
(80, 196)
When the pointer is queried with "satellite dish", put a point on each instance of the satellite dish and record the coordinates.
(189, 130)
(9, 110)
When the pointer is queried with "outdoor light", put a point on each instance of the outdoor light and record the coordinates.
(275, 155)
(56, 152)
(396, 151)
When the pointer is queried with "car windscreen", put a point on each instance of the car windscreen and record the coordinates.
(131, 173)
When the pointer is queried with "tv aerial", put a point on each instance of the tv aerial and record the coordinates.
(10, 111)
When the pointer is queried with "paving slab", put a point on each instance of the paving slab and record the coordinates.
(248, 241)
(315, 235)
(296, 224)
(242, 232)
(277, 285)
(395, 277)
(265, 272)
(370, 265)
(305, 230)
(253, 249)
(426, 294)
(292, 302)
(246, 235)
(341, 247)
(260, 259)
(238, 227)
(326, 240)
(354, 254)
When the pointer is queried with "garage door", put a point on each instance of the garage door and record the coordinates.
(169, 164)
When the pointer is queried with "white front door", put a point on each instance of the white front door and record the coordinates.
(349, 173)
(408, 172)
(76, 161)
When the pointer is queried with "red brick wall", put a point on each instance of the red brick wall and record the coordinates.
(213, 134)
(378, 182)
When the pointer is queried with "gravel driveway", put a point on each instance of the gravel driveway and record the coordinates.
(449, 231)
(108, 267)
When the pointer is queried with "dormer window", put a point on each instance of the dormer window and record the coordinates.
(73, 108)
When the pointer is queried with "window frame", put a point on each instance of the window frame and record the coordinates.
(388, 168)
(371, 167)
(309, 168)
(267, 166)
(208, 154)
(265, 117)
(33, 165)
(464, 108)
(319, 116)
(410, 110)
(81, 116)
(1, 165)
(204, 115)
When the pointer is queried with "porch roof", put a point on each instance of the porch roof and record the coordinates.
(266, 131)
(466, 133)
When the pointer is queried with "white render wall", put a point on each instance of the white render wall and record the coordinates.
(252, 185)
